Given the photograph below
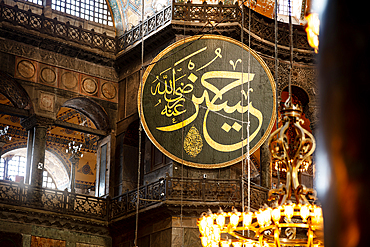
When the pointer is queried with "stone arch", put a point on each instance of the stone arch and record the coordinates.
(91, 109)
(13, 91)
(54, 164)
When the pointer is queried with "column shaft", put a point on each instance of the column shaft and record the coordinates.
(38, 155)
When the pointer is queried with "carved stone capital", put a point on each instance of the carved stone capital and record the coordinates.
(34, 120)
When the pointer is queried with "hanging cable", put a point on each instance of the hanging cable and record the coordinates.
(248, 116)
(242, 102)
(291, 50)
(140, 129)
(182, 165)
(276, 79)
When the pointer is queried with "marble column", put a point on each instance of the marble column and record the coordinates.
(29, 155)
(74, 160)
(39, 126)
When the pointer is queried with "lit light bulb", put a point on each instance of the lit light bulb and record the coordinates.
(209, 220)
(237, 244)
(204, 241)
(220, 218)
(247, 219)
(214, 244)
(276, 213)
(216, 233)
(289, 211)
(267, 216)
(260, 218)
(225, 243)
(234, 217)
(202, 225)
(305, 212)
(317, 212)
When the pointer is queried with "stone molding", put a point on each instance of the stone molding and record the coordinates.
(56, 59)
(34, 120)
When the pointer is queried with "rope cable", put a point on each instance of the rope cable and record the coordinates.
(242, 103)
(248, 116)
(140, 131)
(276, 79)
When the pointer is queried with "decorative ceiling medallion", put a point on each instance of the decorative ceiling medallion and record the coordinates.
(69, 80)
(26, 69)
(109, 90)
(194, 101)
(89, 85)
(48, 75)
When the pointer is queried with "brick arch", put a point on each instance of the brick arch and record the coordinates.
(91, 109)
(12, 90)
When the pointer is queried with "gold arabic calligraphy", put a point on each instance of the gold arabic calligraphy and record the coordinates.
(173, 89)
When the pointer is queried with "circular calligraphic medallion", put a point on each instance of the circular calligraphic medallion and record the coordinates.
(48, 75)
(69, 80)
(26, 69)
(109, 90)
(194, 103)
(89, 85)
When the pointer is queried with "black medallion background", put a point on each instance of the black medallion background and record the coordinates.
(168, 116)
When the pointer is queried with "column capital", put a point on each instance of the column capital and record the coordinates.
(34, 120)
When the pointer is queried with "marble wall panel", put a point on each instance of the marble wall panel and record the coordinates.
(34, 71)
(132, 86)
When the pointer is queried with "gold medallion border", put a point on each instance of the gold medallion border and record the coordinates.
(190, 39)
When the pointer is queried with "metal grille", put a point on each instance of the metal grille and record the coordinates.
(39, 2)
(284, 6)
(92, 10)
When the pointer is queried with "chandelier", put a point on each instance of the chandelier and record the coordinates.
(293, 219)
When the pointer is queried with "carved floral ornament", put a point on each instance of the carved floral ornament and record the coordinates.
(194, 101)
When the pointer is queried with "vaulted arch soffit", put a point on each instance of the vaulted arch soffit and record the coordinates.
(91, 109)
(14, 92)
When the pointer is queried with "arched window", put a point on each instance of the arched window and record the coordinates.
(13, 167)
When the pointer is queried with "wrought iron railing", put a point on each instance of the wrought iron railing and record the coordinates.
(201, 13)
(56, 28)
(214, 190)
(20, 194)
(206, 12)
(188, 190)
(149, 26)
(149, 194)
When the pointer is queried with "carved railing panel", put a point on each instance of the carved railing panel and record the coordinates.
(10, 193)
(149, 25)
(258, 195)
(56, 28)
(218, 13)
(188, 190)
(87, 205)
(149, 194)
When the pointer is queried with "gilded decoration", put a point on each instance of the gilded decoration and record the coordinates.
(199, 96)
(193, 142)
